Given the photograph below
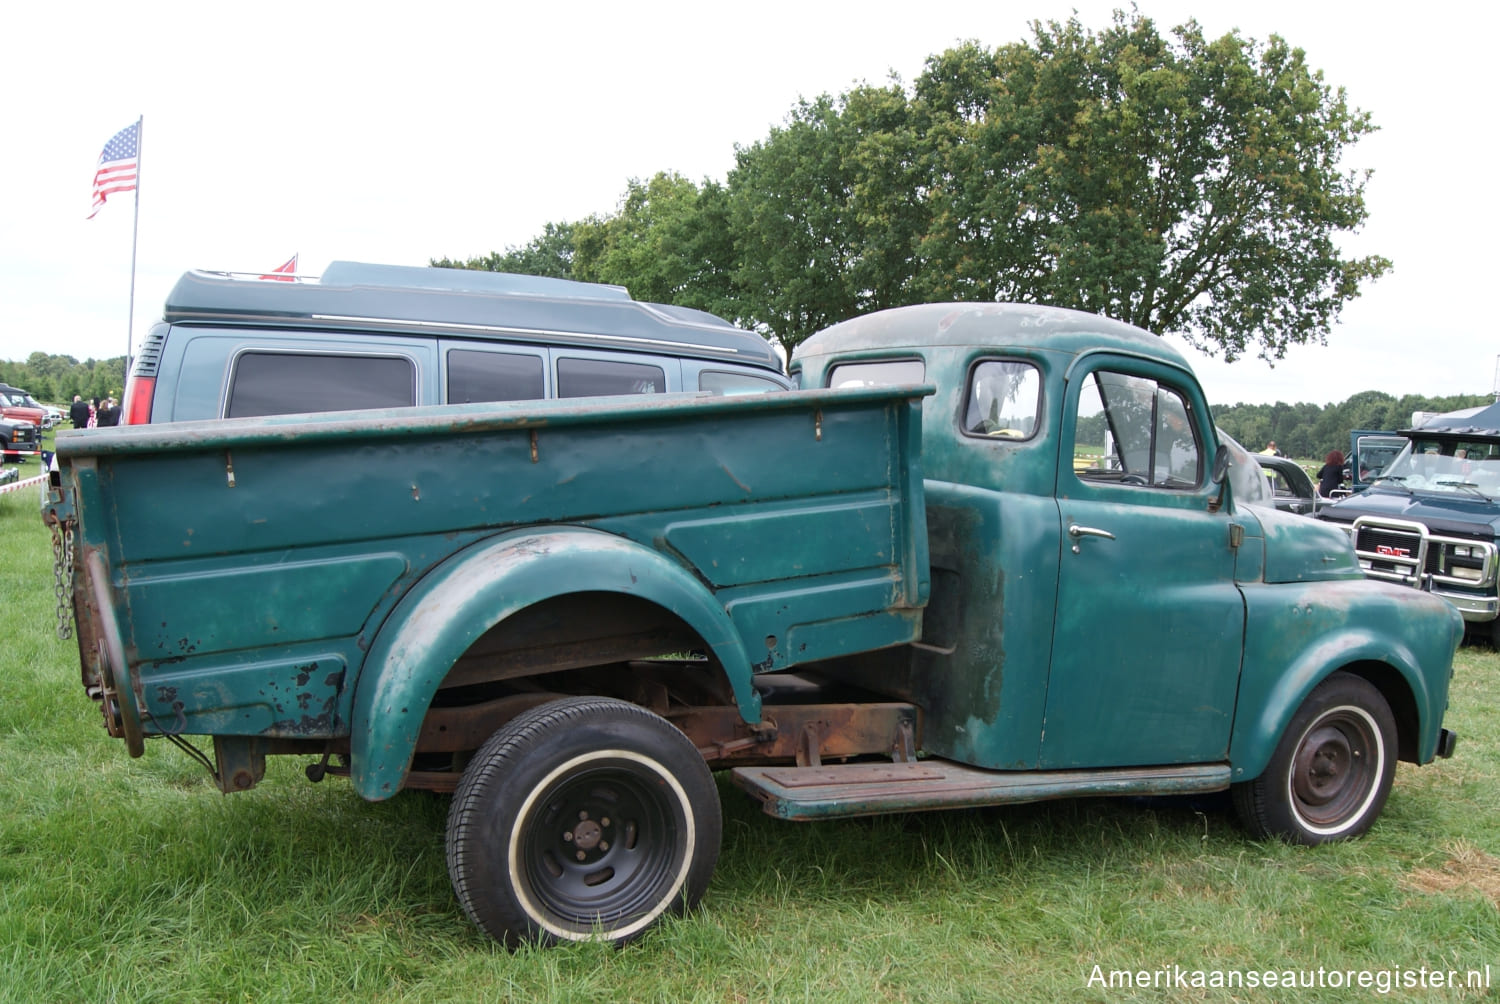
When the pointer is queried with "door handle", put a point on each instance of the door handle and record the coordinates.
(1077, 532)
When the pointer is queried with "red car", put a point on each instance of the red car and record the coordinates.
(18, 441)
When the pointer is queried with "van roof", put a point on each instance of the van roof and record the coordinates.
(501, 306)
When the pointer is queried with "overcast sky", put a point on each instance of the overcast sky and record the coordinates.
(400, 132)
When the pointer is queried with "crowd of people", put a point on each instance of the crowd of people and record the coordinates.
(93, 414)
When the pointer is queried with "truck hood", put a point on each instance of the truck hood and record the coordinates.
(18, 413)
(1294, 548)
(1466, 516)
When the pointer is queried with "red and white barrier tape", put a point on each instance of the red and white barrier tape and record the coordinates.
(16, 486)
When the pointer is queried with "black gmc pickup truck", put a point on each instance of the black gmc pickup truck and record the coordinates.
(1432, 517)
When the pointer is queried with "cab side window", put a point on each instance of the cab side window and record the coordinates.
(1133, 430)
(1004, 400)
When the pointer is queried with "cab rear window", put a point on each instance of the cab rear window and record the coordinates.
(883, 373)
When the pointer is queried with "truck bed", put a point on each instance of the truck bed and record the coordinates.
(241, 572)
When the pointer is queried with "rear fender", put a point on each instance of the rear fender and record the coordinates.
(458, 601)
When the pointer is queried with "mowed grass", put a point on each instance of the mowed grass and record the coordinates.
(135, 880)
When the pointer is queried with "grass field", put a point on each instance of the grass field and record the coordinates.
(134, 880)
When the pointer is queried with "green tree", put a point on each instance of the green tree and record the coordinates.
(669, 242)
(827, 213)
(1182, 184)
(1189, 185)
(550, 254)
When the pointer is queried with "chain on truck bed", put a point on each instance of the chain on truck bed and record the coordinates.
(62, 576)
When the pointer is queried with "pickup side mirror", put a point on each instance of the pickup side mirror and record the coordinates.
(1221, 464)
(1220, 476)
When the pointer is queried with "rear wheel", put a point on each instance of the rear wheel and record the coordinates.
(1331, 772)
(581, 819)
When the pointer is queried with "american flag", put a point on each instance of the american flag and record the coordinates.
(286, 272)
(118, 164)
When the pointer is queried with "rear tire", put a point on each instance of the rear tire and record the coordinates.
(582, 819)
(1332, 770)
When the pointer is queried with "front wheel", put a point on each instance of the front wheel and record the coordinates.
(1332, 770)
(582, 819)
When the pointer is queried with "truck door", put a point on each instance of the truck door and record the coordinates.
(1149, 624)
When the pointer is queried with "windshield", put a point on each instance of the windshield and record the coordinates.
(1246, 482)
(1455, 466)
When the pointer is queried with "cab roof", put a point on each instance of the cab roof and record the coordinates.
(999, 325)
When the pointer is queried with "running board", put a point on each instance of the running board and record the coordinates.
(869, 789)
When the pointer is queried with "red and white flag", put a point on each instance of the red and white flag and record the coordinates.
(119, 165)
(286, 272)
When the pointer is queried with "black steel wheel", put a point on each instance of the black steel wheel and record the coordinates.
(584, 818)
(1332, 770)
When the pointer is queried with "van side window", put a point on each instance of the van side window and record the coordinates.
(721, 382)
(494, 376)
(600, 377)
(286, 383)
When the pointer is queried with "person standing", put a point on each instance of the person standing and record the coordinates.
(109, 414)
(78, 412)
(1331, 474)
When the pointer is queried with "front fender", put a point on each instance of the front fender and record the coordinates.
(1297, 635)
(471, 592)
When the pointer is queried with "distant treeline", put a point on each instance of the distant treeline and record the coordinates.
(1310, 432)
(55, 379)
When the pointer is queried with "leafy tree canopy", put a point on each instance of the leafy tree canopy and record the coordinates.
(1185, 185)
(1179, 183)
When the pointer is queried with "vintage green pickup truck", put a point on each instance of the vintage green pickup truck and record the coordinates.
(989, 554)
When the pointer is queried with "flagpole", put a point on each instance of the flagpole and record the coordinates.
(140, 129)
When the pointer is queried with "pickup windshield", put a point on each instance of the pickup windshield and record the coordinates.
(1454, 466)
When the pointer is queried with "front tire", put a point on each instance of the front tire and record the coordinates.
(582, 819)
(1332, 770)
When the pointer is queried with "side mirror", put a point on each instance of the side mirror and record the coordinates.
(1221, 464)
(1220, 477)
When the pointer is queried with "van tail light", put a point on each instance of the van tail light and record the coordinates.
(138, 393)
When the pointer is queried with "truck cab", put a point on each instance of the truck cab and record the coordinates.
(1098, 597)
